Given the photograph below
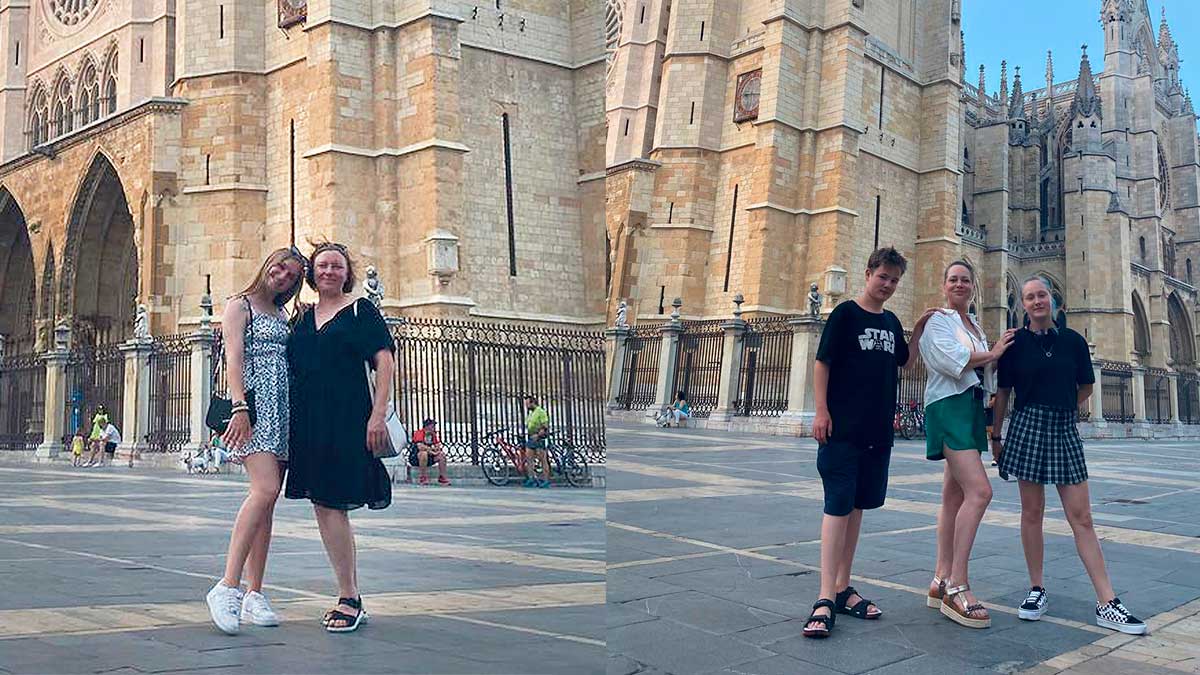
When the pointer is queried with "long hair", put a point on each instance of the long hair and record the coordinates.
(276, 257)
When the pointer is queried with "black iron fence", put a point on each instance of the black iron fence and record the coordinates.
(766, 367)
(471, 377)
(95, 376)
(22, 401)
(170, 394)
(1158, 395)
(1189, 398)
(698, 366)
(639, 370)
(910, 385)
(1116, 388)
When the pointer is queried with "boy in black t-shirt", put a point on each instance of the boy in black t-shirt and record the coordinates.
(854, 384)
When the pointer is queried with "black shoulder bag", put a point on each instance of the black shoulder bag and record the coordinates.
(220, 408)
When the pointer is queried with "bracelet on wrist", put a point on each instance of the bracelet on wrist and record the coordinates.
(997, 438)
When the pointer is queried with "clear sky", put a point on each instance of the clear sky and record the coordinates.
(1022, 30)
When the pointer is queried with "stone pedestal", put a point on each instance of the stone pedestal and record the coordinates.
(56, 390)
(616, 341)
(801, 406)
(201, 381)
(668, 357)
(731, 370)
(1096, 402)
(136, 411)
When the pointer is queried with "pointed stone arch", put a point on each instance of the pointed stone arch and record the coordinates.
(98, 283)
(17, 286)
(1141, 327)
(1183, 336)
(1014, 308)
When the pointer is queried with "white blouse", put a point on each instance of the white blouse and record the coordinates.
(946, 347)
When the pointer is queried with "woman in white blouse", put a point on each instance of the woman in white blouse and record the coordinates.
(961, 374)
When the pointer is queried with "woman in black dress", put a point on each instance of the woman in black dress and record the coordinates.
(335, 422)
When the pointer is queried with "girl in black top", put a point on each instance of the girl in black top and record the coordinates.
(336, 425)
(1051, 370)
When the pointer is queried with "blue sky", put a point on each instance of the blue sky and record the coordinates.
(1022, 30)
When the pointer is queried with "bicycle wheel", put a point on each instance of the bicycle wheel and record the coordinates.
(495, 466)
(575, 468)
(906, 426)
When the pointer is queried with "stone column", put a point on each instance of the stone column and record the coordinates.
(731, 366)
(1139, 395)
(616, 341)
(801, 405)
(668, 356)
(201, 382)
(1173, 394)
(1096, 403)
(136, 417)
(56, 390)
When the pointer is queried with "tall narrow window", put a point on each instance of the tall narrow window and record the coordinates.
(878, 204)
(692, 117)
(141, 50)
(626, 127)
(508, 198)
(221, 21)
(729, 248)
(670, 212)
(207, 166)
(607, 265)
(701, 30)
(662, 298)
(642, 17)
(882, 72)
(18, 60)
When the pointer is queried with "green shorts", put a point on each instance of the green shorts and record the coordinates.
(956, 422)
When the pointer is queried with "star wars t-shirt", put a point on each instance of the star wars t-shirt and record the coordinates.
(863, 351)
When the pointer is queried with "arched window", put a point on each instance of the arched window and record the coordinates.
(39, 118)
(1188, 264)
(89, 95)
(110, 84)
(1142, 247)
(63, 117)
(1141, 328)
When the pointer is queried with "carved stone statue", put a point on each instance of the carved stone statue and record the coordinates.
(814, 302)
(141, 324)
(373, 287)
(622, 315)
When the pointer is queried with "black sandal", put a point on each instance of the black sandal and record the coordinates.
(352, 622)
(859, 610)
(826, 621)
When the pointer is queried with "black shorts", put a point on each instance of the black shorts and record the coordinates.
(110, 448)
(854, 477)
(415, 460)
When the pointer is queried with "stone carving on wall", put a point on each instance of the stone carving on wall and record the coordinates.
(292, 12)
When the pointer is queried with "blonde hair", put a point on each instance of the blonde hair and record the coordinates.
(276, 257)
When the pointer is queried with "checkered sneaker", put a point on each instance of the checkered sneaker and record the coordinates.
(1043, 446)
(1114, 615)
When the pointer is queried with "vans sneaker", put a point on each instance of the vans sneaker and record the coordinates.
(1113, 614)
(225, 606)
(1035, 604)
(256, 610)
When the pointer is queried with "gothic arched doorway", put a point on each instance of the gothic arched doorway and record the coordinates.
(17, 294)
(99, 277)
(1183, 342)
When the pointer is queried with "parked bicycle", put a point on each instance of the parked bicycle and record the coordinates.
(504, 457)
(909, 420)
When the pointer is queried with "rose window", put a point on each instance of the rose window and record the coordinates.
(613, 11)
(71, 12)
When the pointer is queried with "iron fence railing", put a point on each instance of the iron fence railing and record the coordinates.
(766, 367)
(639, 370)
(170, 394)
(1116, 387)
(471, 377)
(22, 401)
(1189, 398)
(698, 366)
(95, 376)
(1157, 395)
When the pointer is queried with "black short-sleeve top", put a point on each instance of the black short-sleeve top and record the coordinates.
(1047, 368)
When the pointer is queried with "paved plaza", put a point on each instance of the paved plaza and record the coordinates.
(105, 571)
(713, 554)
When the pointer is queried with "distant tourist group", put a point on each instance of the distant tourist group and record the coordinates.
(1049, 371)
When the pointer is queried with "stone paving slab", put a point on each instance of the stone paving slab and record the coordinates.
(734, 597)
(109, 574)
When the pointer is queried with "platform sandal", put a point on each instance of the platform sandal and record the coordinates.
(351, 622)
(963, 617)
(825, 621)
(934, 598)
(860, 610)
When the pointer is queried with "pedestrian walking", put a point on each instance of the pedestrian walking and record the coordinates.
(254, 331)
(854, 385)
(77, 444)
(96, 437)
(336, 424)
(961, 375)
(1050, 369)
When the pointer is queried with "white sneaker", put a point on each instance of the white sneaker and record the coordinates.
(256, 610)
(1035, 604)
(225, 606)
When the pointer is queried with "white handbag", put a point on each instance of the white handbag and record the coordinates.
(397, 433)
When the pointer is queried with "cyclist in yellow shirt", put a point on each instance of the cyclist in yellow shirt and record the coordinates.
(537, 428)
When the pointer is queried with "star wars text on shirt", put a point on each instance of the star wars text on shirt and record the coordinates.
(877, 339)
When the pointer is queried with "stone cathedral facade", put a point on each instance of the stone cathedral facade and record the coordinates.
(756, 147)
(148, 147)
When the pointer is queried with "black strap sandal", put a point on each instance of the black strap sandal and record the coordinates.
(860, 608)
(356, 603)
(825, 621)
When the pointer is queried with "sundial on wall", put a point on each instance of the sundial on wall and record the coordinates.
(746, 97)
(292, 12)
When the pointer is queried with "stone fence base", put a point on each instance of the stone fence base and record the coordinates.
(801, 425)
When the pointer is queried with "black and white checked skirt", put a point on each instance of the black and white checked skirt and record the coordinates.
(1043, 446)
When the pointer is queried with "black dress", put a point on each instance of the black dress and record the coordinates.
(330, 463)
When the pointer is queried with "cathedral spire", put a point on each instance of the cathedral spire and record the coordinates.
(1165, 42)
(1049, 73)
(1017, 106)
(982, 84)
(1086, 100)
(1003, 89)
